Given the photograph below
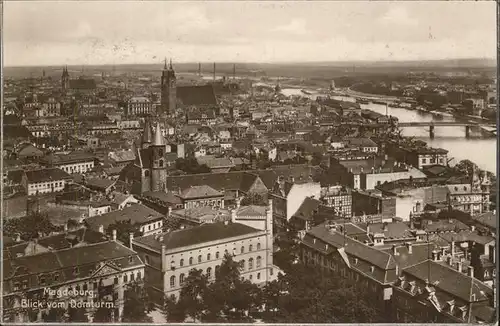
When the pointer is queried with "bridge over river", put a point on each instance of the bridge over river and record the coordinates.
(488, 126)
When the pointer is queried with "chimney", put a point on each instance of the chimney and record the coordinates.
(238, 202)
(367, 230)
(470, 271)
(410, 248)
(233, 216)
(18, 237)
(435, 255)
(101, 228)
(473, 228)
(169, 211)
(459, 266)
(394, 250)
(453, 249)
(226, 222)
(449, 260)
(114, 235)
(130, 239)
(182, 227)
(443, 251)
(65, 227)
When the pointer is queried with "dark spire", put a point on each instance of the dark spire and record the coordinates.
(147, 134)
(165, 66)
(170, 65)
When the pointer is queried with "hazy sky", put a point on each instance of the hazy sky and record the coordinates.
(112, 32)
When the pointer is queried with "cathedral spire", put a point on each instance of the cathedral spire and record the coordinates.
(170, 65)
(165, 66)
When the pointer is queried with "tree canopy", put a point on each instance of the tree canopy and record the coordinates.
(137, 304)
(30, 226)
(191, 166)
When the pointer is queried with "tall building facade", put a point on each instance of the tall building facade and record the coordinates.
(168, 90)
(152, 160)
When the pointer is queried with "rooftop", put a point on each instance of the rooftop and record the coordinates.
(196, 236)
(137, 214)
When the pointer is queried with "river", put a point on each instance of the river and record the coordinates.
(482, 151)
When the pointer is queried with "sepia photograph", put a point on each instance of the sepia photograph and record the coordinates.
(256, 162)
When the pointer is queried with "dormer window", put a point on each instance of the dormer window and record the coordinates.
(56, 277)
(41, 280)
(75, 271)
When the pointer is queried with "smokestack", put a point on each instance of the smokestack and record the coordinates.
(214, 71)
(234, 71)
(199, 69)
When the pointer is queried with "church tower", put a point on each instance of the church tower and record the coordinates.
(158, 162)
(168, 90)
(65, 80)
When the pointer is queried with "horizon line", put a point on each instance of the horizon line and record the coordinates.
(263, 62)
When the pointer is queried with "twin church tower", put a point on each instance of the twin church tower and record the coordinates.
(168, 90)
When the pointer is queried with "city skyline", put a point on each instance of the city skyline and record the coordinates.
(84, 33)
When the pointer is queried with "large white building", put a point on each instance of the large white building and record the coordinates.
(44, 181)
(170, 256)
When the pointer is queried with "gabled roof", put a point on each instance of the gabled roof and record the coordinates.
(200, 192)
(251, 211)
(44, 175)
(307, 209)
(238, 180)
(196, 95)
(196, 235)
(355, 248)
(450, 280)
(137, 214)
(165, 197)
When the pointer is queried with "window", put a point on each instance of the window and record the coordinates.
(242, 264)
(258, 246)
(251, 277)
(258, 276)
(217, 255)
(250, 263)
(172, 281)
(146, 173)
(250, 248)
(217, 270)
(181, 280)
(259, 261)
(424, 161)
(160, 163)
(199, 259)
(139, 275)
(190, 260)
(209, 272)
(115, 281)
(181, 263)
(41, 280)
(125, 278)
(242, 249)
(132, 277)
(56, 277)
(208, 257)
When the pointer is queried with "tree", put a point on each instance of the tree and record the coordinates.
(77, 315)
(191, 166)
(102, 315)
(137, 304)
(172, 311)
(191, 296)
(123, 230)
(31, 226)
(54, 315)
